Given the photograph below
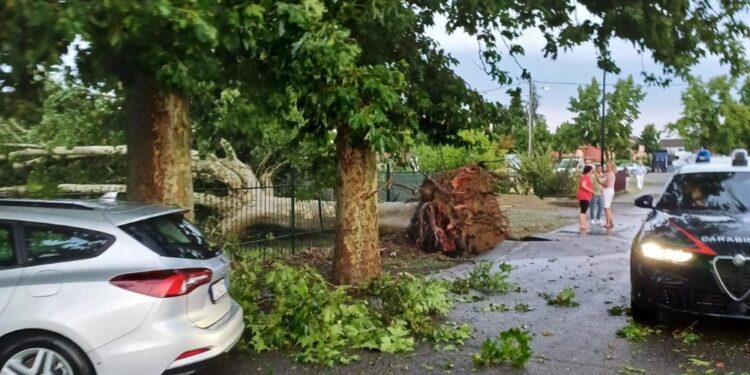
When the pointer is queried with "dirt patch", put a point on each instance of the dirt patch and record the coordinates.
(528, 216)
(397, 254)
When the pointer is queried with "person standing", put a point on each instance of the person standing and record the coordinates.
(640, 175)
(608, 193)
(585, 193)
(596, 201)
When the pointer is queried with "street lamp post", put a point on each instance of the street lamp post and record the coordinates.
(531, 110)
(604, 108)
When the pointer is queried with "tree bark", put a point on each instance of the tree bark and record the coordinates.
(356, 256)
(159, 138)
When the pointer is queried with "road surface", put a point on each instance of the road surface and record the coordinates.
(578, 340)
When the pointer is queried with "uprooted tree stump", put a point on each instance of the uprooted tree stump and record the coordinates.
(459, 213)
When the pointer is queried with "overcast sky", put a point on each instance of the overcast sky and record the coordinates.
(661, 105)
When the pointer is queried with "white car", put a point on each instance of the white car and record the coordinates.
(109, 288)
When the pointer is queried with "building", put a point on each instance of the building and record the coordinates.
(672, 145)
(588, 153)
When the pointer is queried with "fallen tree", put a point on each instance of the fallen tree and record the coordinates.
(458, 213)
(244, 203)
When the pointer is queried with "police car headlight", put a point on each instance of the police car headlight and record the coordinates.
(658, 252)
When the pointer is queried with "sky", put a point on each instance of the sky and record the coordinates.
(573, 68)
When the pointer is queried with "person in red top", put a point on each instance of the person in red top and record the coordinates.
(585, 194)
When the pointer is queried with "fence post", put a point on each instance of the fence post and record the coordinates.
(388, 182)
(320, 213)
(294, 211)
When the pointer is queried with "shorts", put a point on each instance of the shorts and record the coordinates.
(584, 206)
(609, 195)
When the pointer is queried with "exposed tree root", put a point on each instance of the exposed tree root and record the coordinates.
(458, 213)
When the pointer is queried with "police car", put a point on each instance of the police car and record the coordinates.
(692, 254)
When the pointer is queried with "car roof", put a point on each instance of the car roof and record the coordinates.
(717, 164)
(81, 211)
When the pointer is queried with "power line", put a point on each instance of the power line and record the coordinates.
(609, 84)
(500, 88)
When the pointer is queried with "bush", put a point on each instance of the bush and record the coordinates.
(565, 185)
(537, 175)
(475, 146)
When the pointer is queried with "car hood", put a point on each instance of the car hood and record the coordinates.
(723, 234)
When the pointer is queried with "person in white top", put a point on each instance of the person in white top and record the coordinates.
(608, 193)
(640, 175)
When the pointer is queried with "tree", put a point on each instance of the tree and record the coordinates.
(587, 119)
(515, 124)
(567, 138)
(622, 110)
(365, 70)
(649, 138)
(712, 116)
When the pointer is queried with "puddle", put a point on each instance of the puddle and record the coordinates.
(535, 239)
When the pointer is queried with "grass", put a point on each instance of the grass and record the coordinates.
(530, 215)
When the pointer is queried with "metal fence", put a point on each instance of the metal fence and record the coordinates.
(271, 220)
(284, 218)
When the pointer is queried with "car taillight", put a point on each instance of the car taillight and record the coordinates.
(164, 283)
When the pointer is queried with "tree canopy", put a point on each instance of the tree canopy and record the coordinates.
(715, 114)
(361, 73)
(649, 138)
(622, 110)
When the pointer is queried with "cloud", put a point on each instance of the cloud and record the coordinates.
(660, 106)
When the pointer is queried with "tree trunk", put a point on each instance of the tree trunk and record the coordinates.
(159, 139)
(356, 256)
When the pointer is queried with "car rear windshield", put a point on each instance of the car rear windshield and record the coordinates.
(172, 236)
(712, 191)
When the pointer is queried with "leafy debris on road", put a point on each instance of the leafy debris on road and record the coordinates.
(636, 332)
(686, 336)
(616, 310)
(511, 346)
(326, 324)
(451, 333)
(631, 370)
(470, 298)
(496, 307)
(483, 279)
(564, 298)
(522, 308)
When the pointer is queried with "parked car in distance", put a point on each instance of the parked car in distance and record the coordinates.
(512, 162)
(692, 254)
(107, 287)
(570, 165)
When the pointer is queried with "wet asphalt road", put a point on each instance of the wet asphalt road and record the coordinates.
(578, 340)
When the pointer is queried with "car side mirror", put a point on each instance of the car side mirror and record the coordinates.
(646, 201)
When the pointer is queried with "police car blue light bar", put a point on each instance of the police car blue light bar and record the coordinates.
(703, 156)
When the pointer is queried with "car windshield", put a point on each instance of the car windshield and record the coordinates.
(172, 236)
(717, 191)
(569, 163)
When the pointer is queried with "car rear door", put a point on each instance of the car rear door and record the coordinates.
(10, 272)
(182, 246)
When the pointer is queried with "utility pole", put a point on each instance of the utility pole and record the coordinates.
(531, 110)
(604, 111)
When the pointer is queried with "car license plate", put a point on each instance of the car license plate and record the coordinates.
(218, 290)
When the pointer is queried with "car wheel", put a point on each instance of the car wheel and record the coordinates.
(39, 353)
